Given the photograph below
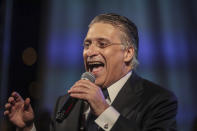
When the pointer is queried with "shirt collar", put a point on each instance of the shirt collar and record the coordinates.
(115, 88)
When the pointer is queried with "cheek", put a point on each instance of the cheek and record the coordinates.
(84, 57)
(84, 54)
(115, 59)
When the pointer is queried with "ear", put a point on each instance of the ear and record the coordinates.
(128, 54)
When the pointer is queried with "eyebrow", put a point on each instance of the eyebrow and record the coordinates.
(97, 39)
(87, 40)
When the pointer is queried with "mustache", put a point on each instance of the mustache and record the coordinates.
(94, 58)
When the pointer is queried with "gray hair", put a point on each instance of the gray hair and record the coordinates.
(129, 29)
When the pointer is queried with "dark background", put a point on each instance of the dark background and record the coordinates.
(41, 49)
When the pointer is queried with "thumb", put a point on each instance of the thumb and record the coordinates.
(27, 104)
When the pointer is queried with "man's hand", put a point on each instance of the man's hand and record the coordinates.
(19, 111)
(86, 90)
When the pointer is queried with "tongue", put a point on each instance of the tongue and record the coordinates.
(97, 69)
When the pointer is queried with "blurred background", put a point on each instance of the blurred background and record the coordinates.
(41, 49)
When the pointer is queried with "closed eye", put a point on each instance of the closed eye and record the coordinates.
(102, 44)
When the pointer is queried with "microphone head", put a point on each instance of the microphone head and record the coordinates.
(88, 76)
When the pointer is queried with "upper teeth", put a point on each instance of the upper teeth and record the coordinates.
(93, 63)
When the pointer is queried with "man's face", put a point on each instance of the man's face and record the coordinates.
(107, 64)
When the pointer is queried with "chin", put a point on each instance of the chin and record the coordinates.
(99, 83)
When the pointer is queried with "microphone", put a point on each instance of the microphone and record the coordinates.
(70, 103)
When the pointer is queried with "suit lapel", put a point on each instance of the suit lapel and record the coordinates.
(128, 97)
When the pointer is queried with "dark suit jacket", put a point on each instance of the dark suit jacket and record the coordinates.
(143, 106)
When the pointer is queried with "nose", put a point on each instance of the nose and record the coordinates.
(92, 50)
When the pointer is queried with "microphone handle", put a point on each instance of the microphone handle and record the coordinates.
(66, 109)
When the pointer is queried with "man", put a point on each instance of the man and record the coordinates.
(133, 104)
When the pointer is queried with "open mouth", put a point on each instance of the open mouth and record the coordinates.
(95, 66)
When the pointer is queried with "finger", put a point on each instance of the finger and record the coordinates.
(6, 112)
(81, 84)
(76, 86)
(17, 97)
(86, 82)
(27, 103)
(79, 89)
(79, 96)
(7, 106)
(11, 100)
